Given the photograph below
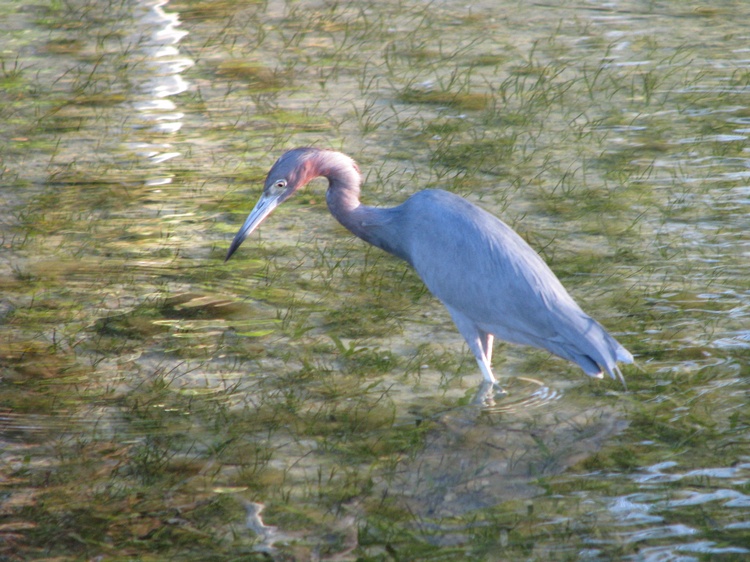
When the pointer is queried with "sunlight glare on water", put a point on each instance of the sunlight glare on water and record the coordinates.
(160, 67)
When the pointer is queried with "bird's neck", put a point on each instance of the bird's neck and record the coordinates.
(373, 225)
(343, 191)
(343, 201)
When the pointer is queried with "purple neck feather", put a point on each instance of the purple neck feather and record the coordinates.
(371, 224)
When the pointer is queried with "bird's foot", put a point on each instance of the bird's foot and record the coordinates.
(488, 392)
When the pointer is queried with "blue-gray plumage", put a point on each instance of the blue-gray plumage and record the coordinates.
(486, 275)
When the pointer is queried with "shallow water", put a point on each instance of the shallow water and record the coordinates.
(309, 400)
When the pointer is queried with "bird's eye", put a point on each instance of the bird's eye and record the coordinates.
(279, 184)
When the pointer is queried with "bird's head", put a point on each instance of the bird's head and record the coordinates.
(291, 172)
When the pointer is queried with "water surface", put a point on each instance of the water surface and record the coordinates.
(309, 400)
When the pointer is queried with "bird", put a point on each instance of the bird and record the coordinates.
(493, 284)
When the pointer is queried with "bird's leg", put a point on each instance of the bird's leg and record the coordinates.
(480, 344)
(485, 396)
(484, 358)
(486, 341)
(486, 369)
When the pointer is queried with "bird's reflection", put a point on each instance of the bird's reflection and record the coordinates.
(495, 447)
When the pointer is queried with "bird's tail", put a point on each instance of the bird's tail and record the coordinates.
(598, 353)
(607, 361)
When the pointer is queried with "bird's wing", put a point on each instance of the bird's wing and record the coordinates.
(476, 264)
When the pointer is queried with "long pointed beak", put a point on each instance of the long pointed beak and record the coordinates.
(265, 205)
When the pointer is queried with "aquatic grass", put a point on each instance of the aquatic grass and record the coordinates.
(660, 432)
(574, 198)
(371, 119)
(11, 77)
(489, 156)
(110, 283)
(205, 11)
(262, 84)
(458, 100)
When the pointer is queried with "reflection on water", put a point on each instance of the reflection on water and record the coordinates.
(477, 457)
(158, 72)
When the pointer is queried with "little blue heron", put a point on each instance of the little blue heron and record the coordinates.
(490, 280)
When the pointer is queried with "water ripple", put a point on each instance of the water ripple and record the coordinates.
(526, 394)
(650, 509)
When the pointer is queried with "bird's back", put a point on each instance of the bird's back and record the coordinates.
(476, 264)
